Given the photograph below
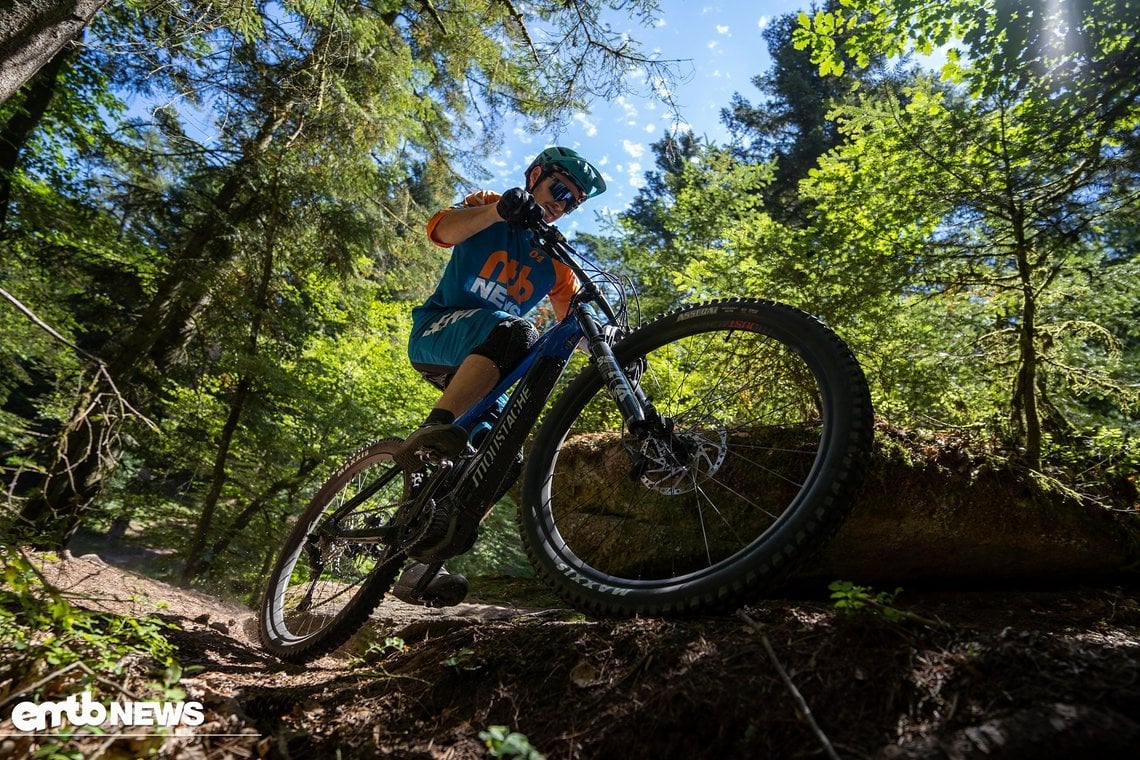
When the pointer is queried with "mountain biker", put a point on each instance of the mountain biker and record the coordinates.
(472, 330)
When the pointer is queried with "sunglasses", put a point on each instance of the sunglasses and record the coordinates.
(563, 194)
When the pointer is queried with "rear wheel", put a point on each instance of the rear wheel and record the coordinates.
(765, 427)
(326, 582)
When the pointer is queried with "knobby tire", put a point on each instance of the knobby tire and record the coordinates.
(772, 425)
(352, 577)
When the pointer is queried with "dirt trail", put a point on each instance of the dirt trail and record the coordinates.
(998, 674)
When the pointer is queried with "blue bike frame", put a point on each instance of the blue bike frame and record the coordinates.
(535, 378)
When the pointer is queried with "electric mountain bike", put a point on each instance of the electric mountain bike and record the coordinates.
(689, 466)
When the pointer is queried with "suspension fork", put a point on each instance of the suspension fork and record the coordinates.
(636, 409)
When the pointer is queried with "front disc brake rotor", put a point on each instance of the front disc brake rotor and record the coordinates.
(679, 462)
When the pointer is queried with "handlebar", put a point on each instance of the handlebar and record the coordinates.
(554, 243)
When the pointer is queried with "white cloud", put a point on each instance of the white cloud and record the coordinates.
(763, 22)
(636, 150)
(722, 28)
(635, 178)
(712, 45)
(589, 127)
(650, 127)
(629, 109)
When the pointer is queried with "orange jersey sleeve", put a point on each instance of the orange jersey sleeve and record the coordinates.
(478, 198)
(565, 286)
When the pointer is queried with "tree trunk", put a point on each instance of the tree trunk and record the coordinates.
(1025, 388)
(14, 135)
(33, 32)
(210, 504)
(206, 566)
(74, 476)
(237, 406)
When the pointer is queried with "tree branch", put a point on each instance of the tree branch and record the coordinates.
(801, 703)
(518, 19)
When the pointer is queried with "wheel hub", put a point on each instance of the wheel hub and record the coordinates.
(679, 462)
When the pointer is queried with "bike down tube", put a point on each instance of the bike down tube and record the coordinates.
(483, 472)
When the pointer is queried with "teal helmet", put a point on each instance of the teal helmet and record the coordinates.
(586, 177)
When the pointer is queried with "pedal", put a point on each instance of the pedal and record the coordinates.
(430, 445)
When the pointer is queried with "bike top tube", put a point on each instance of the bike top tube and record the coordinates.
(558, 342)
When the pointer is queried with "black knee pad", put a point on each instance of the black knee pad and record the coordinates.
(508, 343)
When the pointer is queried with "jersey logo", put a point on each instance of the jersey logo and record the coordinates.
(448, 319)
(502, 280)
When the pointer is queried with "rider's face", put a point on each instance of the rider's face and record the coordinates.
(556, 193)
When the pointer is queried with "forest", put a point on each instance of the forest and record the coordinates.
(204, 305)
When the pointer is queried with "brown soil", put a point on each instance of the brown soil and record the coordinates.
(998, 673)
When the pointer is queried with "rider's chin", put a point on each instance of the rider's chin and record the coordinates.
(548, 212)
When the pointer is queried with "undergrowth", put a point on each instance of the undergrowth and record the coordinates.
(51, 649)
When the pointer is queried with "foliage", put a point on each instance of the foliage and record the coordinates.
(687, 212)
(502, 742)
(44, 638)
(950, 234)
(1012, 172)
(851, 598)
(464, 659)
(792, 126)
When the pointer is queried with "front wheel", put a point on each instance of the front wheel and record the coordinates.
(765, 427)
(328, 579)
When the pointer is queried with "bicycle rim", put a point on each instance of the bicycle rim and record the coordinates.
(769, 416)
(324, 586)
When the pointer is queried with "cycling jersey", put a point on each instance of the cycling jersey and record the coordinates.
(495, 274)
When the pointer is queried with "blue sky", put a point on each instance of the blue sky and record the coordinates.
(721, 47)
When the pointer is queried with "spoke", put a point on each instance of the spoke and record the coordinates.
(743, 498)
(765, 468)
(700, 491)
(704, 533)
(325, 601)
(776, 449)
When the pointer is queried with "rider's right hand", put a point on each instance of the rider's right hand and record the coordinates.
(519, 208)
